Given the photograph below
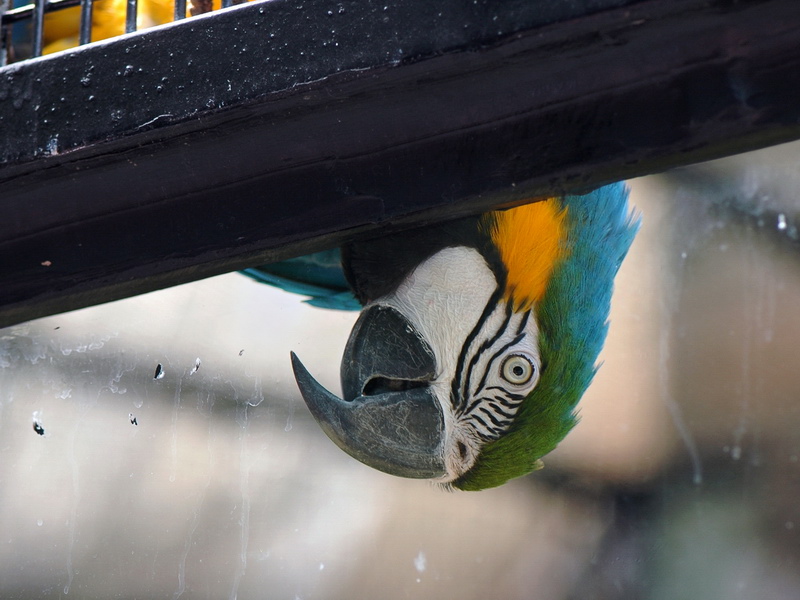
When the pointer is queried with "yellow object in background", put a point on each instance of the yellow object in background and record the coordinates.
(62, 28)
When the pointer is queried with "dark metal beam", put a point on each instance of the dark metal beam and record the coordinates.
(270, 130)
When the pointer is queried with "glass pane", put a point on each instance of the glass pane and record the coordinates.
(211, 480)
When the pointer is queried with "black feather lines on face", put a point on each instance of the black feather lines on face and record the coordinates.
(489, 410)
(459, 392)
(496, 404)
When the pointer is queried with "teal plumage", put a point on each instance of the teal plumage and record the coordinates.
(318, 276)
(573, 321)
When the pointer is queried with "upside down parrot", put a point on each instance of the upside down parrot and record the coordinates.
(476, 337)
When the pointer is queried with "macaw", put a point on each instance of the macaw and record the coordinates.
(476, 338)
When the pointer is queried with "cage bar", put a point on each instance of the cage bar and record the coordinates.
(5, 32)
(26, 11)
(38, 26)
(86, 22)
(131, 7)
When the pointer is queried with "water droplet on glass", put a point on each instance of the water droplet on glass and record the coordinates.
(39, 522)
(736, 452)
(420, 562)
(782, 222)
(37, 423)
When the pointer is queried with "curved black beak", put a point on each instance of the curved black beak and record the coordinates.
(389, 418)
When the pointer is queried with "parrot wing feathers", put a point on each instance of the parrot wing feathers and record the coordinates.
(318, 276)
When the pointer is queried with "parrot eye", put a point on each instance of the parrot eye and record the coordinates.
(518, 369)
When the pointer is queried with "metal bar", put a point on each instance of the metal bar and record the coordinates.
(38, 26)
(26, 12)
(171, 175)
(180, 10)
(130, 15)
(86, 22)
(227, 3)
(5, 32)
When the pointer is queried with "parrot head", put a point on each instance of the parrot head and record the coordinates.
(476, 340)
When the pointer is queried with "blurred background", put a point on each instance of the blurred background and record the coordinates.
(681, 481)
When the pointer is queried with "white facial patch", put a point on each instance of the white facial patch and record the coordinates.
(487, 357)
(444, 297)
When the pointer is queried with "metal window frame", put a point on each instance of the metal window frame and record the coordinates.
(278, 128)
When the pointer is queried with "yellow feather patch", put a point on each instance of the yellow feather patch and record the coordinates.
(531, 242)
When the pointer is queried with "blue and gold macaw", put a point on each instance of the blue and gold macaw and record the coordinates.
(476, 338)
